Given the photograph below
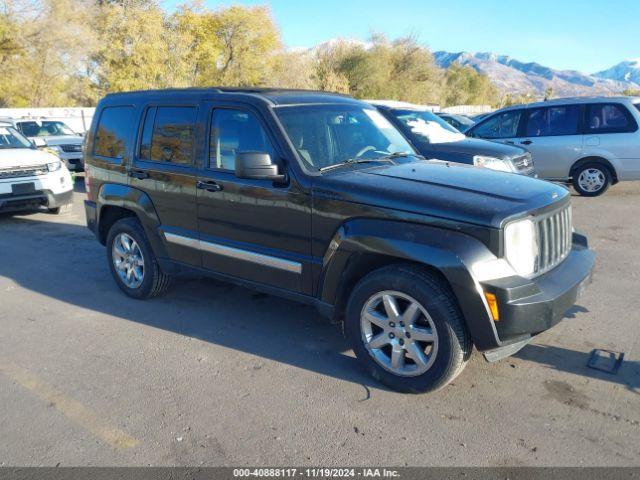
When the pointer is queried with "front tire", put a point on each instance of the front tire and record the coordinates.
(592, 179)
(132, 262)
(405, 327)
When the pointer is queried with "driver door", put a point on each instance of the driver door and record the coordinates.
(254, 230)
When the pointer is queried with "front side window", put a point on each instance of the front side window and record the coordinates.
(11, 138)
(553, 121)
(234, 131)
(326, 135)
(114, 131)
(425, 126)
(168, 135)
(609, 118)
(637, 105)
(501, 125)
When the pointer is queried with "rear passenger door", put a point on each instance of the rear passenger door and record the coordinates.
(163, 167)
(255, 230)
(612, 132)
(552, 135)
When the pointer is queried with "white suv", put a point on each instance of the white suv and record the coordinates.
(56, 135)
(30, 178)
(593, 142)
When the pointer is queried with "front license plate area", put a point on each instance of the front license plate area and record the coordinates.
(23, 188)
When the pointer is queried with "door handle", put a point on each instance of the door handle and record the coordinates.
(526, 142)
(209, 186)
(509, 142)
(139, 174)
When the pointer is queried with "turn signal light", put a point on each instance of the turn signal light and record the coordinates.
(493, 306)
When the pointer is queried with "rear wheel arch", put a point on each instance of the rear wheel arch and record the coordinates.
(595, 159)
(110, 214)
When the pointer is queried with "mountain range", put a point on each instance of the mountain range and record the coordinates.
(516, 77)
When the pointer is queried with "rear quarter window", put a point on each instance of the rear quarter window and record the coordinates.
(114, 131)
(609, 118)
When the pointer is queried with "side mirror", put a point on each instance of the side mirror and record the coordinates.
(38, 142)
(257, 166)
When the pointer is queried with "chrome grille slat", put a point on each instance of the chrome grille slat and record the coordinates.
(553, 234)
(22, 172)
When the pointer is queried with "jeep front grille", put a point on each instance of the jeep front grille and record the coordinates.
(554, 233)
(23, 172)
(523, 163)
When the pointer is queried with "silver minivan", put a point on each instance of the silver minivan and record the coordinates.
(593, 142)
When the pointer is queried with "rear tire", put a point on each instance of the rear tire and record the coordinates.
(592, 179)
(135, 269)
(428, 299)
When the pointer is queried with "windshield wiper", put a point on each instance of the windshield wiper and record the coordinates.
(391, 156)
(353, 161)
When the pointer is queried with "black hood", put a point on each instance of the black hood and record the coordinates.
(466, 194)
(466, 149)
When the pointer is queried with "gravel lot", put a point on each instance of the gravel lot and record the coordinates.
(217, 375)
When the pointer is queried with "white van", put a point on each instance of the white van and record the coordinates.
(593, 142)
(30, 178)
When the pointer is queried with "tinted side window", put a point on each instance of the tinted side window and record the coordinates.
(609, 118)
(168, 135)
(30, 129)
(637, 105)
(553, 121)
(234, 131)
(502, 125)
(113, 135)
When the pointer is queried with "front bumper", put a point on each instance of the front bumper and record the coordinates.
(35, 200)
(528, 307)
(73, 161)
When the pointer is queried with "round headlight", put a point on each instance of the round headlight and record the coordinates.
(493, 163)
(521, 246)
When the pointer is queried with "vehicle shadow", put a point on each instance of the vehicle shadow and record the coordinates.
(575, 362)
(205, 309)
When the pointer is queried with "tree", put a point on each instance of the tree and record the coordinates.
(462, 85)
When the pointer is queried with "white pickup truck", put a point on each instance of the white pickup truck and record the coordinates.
(31, 179)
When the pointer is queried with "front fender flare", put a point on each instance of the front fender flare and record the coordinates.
(450, 252)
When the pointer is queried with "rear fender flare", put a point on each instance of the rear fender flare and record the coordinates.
(138, 202)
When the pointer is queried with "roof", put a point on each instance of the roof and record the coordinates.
(398, 104)
(572, 100)
(273, 96)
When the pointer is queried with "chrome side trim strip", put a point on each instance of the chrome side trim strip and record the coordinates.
(180, 240)
(258, 258)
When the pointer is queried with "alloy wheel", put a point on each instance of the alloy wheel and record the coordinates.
(398, 333)
(128, 260)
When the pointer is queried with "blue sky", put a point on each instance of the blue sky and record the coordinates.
(584, 35)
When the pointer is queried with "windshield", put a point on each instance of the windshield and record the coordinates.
(45, 128)
(326, 135)
(427, 126)
(11, 138)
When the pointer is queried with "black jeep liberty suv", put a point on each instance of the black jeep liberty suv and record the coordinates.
(318, 198)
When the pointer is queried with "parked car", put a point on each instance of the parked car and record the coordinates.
(318, 198)
(58, 136)
(593, 142)
(434, 138)
(459, 122)
(29, 178)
